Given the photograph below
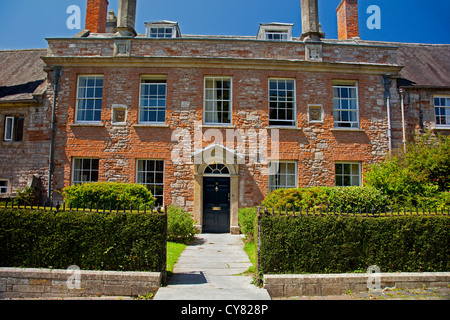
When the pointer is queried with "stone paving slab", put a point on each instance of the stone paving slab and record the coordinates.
(207, 270)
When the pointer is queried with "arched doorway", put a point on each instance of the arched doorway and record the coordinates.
(216, 166)
(216, 198)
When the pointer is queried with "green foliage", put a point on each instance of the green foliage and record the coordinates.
(348, 244)
(247, 218)
(113, 241)
(108, 194)
(180, 225)
(417, 176)
(339, 198)
(26, 196)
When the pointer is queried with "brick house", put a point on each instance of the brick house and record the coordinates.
(214, 123)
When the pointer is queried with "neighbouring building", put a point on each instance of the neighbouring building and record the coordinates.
(214, 123)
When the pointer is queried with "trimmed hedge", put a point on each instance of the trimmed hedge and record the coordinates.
(338, 197)
(111, 241)
(351, 244)
(108, 194)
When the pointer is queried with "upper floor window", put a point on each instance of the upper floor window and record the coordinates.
(89, 98)
(162, 29)
(282, 102)
(85, 170)
(276, 35)
(345, 106)
(13, 128)
(442, 111)
(282, 175)
(4, 186)
(275, 31)
(348, 174)
(217, 100)
(153, 98)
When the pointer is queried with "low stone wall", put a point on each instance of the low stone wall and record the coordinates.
(337, 284)
(46, 283)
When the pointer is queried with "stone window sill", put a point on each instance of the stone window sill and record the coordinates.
(218, 126)
(347, 130)
(441, 128)
(283, 128)
(150, 125)
(87, 124)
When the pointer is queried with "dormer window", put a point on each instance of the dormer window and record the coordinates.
(162, 30)
(275, 31)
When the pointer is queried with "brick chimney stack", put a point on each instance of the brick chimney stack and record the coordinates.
(348, 22)
(96, 13)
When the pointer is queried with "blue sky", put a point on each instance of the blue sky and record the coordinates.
(26, 23)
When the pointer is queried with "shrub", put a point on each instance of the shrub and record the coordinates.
(180, 225)
(247, 221)
(92, 241)
(348, 244)
(340, 198)
(421, 172)
(108, 194)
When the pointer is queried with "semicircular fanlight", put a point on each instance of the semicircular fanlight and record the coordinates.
(216, 168)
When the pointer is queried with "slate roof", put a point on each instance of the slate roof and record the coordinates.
(21, 74)
(425, 65)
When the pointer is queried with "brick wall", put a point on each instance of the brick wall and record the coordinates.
(315, 147)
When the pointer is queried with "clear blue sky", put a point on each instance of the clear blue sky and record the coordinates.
(26, 23)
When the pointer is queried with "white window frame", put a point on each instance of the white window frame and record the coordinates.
(9, 128)
(351, 175)
(157, 109)
(294, 103)
(214, 100)
(161, 32)
(74, 160)
(276, 35)
(152, 185)
(5, 188)
(339, 124)
(271, 171)
(446, 108)
(88, 98)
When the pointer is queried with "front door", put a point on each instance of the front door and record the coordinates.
(216, 204)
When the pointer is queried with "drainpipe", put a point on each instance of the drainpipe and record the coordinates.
(386, 79)
(51, 166)
(402, 99)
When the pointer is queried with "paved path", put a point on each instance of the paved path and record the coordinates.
(206, 270)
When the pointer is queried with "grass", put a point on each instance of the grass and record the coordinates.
(174, 251)
(250, 249)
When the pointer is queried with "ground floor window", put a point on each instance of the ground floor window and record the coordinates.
(85, 170)
(442, 110)
(151, 174)
(282, 175)
(348, 174)
(4, 186)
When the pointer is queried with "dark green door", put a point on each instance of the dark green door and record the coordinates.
(216, 205)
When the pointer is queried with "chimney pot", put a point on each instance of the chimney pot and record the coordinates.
(96, 13)
(348, 22)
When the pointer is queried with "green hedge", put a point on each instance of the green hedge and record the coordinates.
(337, 197)
(108, 194)
(45, 239)
(351, 244)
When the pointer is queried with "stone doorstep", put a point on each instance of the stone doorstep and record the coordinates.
(336, 284)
